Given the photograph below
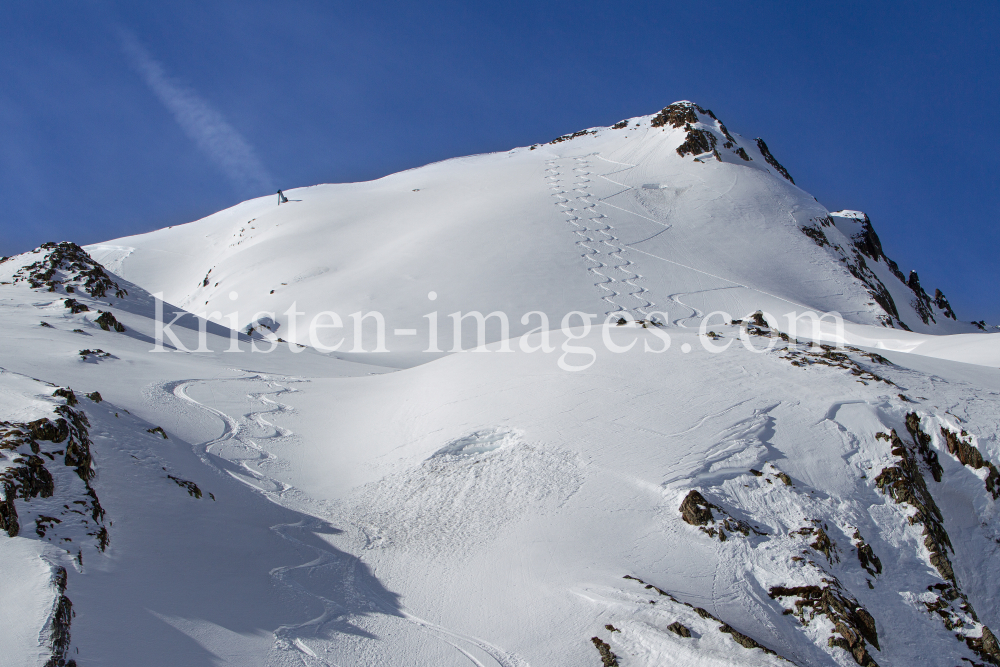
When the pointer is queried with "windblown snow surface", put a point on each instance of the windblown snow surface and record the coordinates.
(727, 494)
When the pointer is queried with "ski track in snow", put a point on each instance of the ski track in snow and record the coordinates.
(620, 293)
(290, 637)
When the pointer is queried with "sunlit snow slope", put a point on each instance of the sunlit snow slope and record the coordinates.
(668, 212)
(629, 494)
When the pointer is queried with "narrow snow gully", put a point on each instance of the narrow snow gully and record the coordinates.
(353, 603)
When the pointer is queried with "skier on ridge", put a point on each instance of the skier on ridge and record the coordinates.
(282, 199)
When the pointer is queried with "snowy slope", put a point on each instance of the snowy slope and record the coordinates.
(606, 220)
(732, 497)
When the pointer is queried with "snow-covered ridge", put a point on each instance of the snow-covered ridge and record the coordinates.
(667, 212)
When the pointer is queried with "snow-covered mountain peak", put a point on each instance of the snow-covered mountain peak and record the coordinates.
(520, 476)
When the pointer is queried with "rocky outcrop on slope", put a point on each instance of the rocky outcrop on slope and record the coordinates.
(770, 159)
(56, 634)
(707, 136)
(904, 483)
(864, 251)
(46, 469)
(697, 511)
(854, 625)
(67, 266)
(36, 488)
(970, 456)
(679, 629)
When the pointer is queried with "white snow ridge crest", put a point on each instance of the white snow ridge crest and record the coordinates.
(704, 485)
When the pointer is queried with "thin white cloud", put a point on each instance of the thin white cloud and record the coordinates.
(203, 124)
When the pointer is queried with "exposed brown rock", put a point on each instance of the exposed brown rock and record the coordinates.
(67, 264)
(905, 485)
(695, 510)
(852, 622)
(985, 646)
(190, 487)
(972, 457)
(608, 659)
(567, 137)
(766, 154)
(923, 443)
(697, 142)
(679, 629)
(56, 631)
(108, 322)
(866, 556)
(676, 115)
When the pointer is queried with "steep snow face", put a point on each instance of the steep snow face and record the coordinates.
(668, 213)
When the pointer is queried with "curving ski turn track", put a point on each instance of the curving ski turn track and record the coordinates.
(237, 438)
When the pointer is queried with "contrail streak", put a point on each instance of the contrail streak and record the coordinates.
(209, 130)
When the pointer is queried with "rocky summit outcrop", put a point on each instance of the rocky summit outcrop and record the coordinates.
(66, 266)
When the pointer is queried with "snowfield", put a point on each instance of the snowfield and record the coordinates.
(755, 491)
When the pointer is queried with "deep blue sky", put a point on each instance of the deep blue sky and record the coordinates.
(889, 108)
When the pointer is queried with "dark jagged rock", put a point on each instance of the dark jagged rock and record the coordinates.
(190, 487)
(679, 628)
(757, 319)
(677, 115)
(921, 301)
(743, 640)
(695, 510)
(970, 456)
(620, 125)
(75, 306)
(851, 621)
(923, 443)
(697, 142)
(30, 478)
(27, 475)
(608, 659)
(867, 243)
(95, 396)
(825, 546)
(67, 393)
(941, 301)
(157, 430)
(58, 626)
(985, 646)
(8, 512)
(905, 484)
(766, 154)
(108, 322)
(567, 137)
(866, 556)
(816, 234)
